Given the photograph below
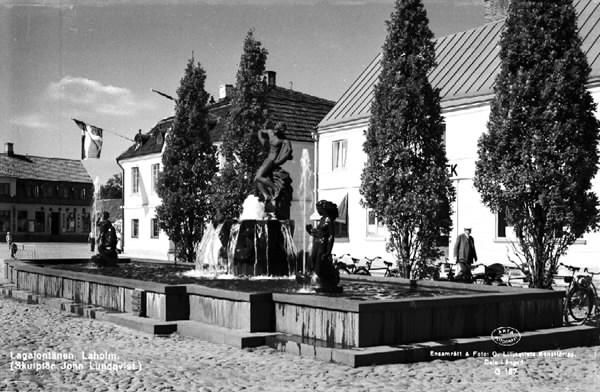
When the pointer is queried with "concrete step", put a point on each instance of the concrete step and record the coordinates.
(148, 325)
(215, 334)
(25, 296)
(483, 346)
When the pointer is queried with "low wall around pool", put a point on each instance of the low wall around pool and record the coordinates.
(392, 322)
(332, 321)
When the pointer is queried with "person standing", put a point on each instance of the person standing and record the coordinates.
(9, 240)
(465, 253)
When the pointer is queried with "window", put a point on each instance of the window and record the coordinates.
(135, 179)
(154, 230)
(40, 221)
(22, 221)
(339, 152)
(49, 190)
(135, 228)
(5, 189)
(501, 224)
(375, 227)
(4, 220)
(155, 170)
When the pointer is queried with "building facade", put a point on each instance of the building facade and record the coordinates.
(468, 63)
(44, 199)
(142, 162)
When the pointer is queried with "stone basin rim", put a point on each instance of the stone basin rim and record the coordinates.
(307, 299)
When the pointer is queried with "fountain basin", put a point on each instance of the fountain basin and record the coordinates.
(333, 321)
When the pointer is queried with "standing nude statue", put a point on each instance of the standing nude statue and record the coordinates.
(280, 151)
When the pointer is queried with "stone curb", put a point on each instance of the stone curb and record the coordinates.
(532, 341)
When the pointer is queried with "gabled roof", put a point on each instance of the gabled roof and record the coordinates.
(301, 113)
(42, 168)
(151, 142)
(467, 65)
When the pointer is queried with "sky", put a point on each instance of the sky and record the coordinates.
(97, 60)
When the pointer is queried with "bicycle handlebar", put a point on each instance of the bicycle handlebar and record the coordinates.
(590, 272)
(570, 267)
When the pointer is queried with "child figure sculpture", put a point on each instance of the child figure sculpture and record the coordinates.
(323, 239)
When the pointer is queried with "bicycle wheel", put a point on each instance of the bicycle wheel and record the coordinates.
(362, 271)
(342, 270)
(579, 305)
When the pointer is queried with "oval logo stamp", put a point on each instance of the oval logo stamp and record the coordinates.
(506, 336)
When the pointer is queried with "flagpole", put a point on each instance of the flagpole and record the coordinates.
(164, 95)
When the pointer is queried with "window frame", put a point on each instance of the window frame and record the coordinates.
(154, 229)
(135, 179)
(135, 228)
(379, 231)
(339, 154)
(154, 171)
(5, 189)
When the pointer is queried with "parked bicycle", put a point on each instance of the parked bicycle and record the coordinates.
(377, 263)
(491, 274)
(348, 265)
(582, 296)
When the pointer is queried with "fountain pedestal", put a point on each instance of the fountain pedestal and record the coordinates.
(261, 247)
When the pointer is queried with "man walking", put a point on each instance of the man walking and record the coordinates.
(465, 254)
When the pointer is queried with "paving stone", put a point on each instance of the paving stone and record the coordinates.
(179, 363)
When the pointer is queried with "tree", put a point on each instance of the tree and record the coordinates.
(113, 189)
(405, 180)
(241, 148)
(538, 158)
(189, 164)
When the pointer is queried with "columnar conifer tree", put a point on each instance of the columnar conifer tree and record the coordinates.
(405, 180)
(241, 148)
(189, 164)
(538, 158)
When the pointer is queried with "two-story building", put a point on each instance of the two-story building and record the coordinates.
(467, 65)
(142, 162)
(44, 199)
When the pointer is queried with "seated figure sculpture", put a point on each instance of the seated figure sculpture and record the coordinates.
(107, 243)
(273, 182)
(323, 239)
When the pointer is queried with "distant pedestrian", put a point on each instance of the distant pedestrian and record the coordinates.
(465, 254)
(9, 240)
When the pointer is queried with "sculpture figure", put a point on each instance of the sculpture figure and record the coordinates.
(107, 243)
(323, 239)
(273, 182)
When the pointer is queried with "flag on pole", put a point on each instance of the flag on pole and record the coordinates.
(91, 140)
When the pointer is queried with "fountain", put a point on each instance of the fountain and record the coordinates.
(358, 327)
(259, 242)
(304, 187)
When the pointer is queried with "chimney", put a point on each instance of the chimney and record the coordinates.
(270, 76)
(495, 9)
(225, 90)
(8, 149)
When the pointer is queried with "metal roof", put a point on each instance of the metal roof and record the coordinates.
(467, 65)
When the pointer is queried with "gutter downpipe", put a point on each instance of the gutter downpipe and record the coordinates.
(122, 206)
(315, 137)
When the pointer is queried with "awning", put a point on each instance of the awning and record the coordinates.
(343, 210)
